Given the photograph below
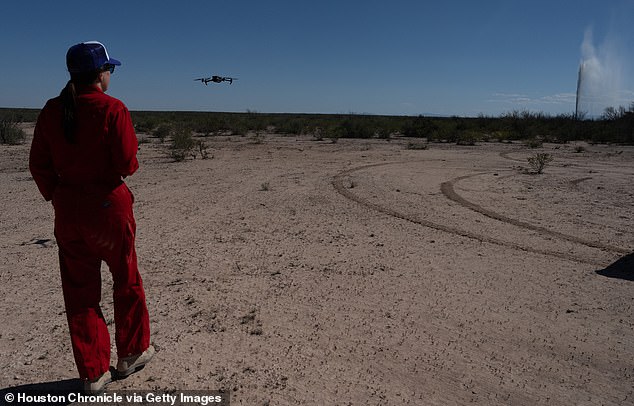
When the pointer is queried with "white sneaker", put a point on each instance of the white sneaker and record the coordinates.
(129, 365)
(97, 385)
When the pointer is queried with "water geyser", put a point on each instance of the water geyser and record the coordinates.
(598, 82)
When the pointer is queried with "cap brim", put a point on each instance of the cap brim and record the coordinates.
(112, 61)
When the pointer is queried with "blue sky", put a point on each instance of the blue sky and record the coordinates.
(394, 57)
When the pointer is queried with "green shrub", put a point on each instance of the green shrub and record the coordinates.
(163, 131)
(534, 143)
(145, 125)
(417, 146)
(182, 145)
(539, 161)
(202, 148)
(10, 133)
(467, 138)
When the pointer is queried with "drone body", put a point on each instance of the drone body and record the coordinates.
(217, 79)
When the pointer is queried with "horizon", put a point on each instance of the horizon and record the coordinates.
(522, 114)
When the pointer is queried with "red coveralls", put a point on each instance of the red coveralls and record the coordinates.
(93, 222)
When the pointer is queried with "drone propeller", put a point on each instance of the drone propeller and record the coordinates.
(217, 79)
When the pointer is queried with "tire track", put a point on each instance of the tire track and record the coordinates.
(506, 155)
(448, 189)
(576, 182)
(339, 184)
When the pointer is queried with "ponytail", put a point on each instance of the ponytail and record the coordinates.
(69, 101)
(69, 96)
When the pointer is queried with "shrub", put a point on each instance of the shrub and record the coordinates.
(467, 138)
(539, 161)
(417, 146)
(355, 127)
(257, 139)
(238, 129)
(202, 148)
(210, 126)
(145, 125)
(291, 127)
(163, 131)
(10, 133)
(534, 143)
(333, 133)
(420, 127)
(383, 133)
(182, 145)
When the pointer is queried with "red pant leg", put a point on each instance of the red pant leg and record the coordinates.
(132, 321)
(81, 286)
(131, 316)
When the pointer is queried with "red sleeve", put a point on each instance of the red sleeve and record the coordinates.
(41, 160)
(124, 144)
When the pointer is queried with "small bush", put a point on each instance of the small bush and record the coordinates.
(417, 146)
(539, 161)
(163, 131)
(534, 143)
(239, 129)
(182, 145)
(146, 125)
(202, 148)
(331, 132)
(467, 138)
(10, 133)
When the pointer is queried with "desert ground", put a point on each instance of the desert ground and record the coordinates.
(286, 270)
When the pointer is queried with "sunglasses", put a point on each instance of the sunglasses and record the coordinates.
(108, 67)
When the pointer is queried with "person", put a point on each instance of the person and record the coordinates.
(83, 146)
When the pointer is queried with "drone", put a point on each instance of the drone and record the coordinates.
(217, 79)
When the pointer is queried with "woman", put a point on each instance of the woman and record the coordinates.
(83, 146)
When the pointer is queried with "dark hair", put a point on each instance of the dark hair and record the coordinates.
(69, 100)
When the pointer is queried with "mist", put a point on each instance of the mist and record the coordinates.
(600, 81)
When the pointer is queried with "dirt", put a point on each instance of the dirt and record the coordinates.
(292, 271)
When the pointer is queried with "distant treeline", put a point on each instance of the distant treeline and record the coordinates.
(615, 126)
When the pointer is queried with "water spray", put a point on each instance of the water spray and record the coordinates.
(577, 112)
(599, 78)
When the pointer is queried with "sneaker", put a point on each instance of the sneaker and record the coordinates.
(129, 365)
(97, 385)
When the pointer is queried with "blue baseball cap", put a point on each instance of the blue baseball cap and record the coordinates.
(88, 57)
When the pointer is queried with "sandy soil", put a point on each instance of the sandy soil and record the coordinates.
(290, 271)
